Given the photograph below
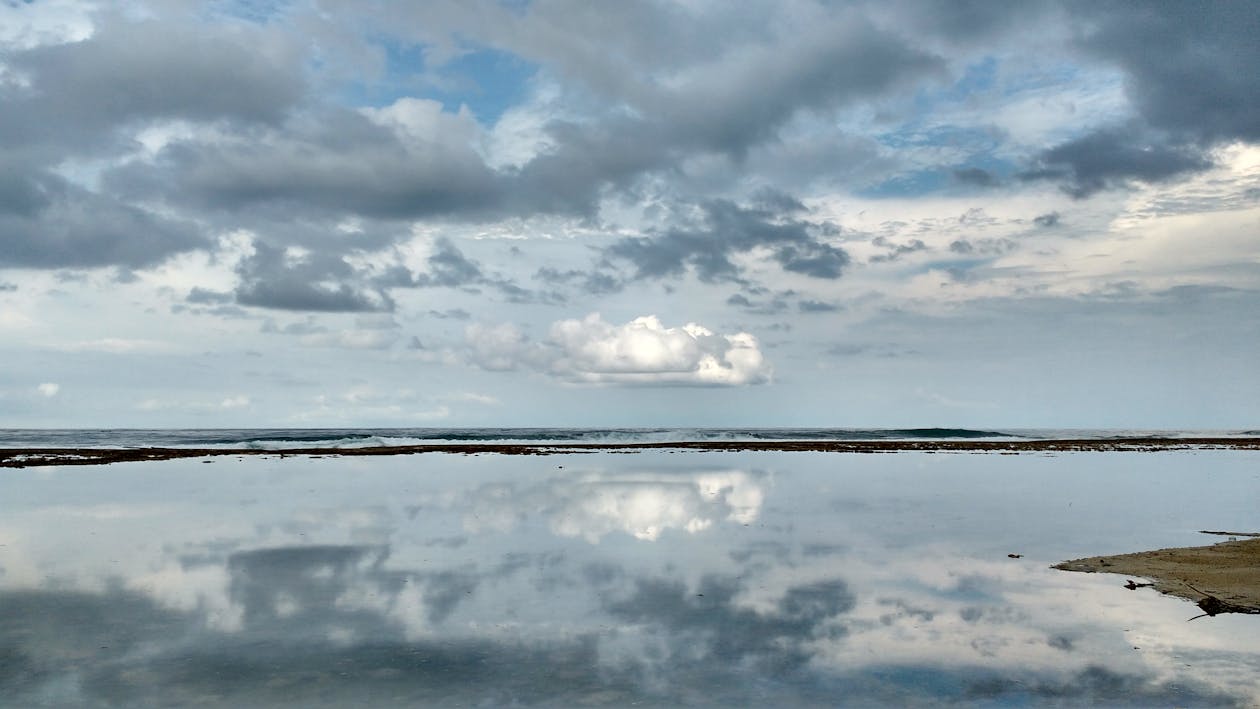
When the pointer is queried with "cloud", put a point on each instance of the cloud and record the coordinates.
(450, 268)
(1046, 221)
(117, 345)
(343, 163)
(817, 306)
(451, 314)
(896, 251)
(724, 229)
(975, 177)
(229, 403)
(641, 352)
(360, 339)
(362, 403)
(56, 224)
(1183, 79)
(644, 351)
(48, 389)
(77, 95)
(1111, 157)
(500, 347)
(983, 247)
(235, 402)
(1183, 64)
(76, 108)
(272, 277)
(205, 296)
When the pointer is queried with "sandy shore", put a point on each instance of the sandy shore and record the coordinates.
(1220, 578)
(32, 457)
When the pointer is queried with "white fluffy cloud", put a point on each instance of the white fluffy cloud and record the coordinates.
(640, 352)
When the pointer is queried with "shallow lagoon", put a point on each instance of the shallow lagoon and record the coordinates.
(644, 578)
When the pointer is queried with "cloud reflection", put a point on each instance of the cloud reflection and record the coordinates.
(643, 505)
(807, 605)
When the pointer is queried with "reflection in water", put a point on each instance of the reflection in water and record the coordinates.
(500, 581)
(640, 504)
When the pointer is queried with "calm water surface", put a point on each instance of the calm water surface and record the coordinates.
(650, 578)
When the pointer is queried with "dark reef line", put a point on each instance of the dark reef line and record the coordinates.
(34, 457)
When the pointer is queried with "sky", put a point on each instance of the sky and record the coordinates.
(323, 213)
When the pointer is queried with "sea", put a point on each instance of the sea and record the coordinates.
(659, 577)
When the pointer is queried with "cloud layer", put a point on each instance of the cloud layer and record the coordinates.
(236, 183)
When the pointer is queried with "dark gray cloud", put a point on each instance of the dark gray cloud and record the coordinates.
(976, 177)
(965, 22)
(448, 267)
(982, 247)
(1186, 65)
(878, 350)
(1112, 157)
(204, 296)
(748, 100)
(451, 314)
(723, 230)
(817, 306)
(345, 163)
(84, 100)
(76, 95)
(778, 202)
(737, 77)
(1186, 74)
(764, 79)
(896, 251)
(338, 163)
(591, 282)
(315, 281)
(1045, 221)
(48, 222)
(776, 303)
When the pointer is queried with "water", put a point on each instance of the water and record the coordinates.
(652, 578)
(272, 438)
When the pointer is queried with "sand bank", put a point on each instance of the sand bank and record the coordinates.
(1220, 578)
(33, 457)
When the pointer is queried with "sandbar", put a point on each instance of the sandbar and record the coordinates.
(1219, 578)
(35, 457)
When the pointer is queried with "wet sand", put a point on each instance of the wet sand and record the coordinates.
(34, 457)
(1220, 578)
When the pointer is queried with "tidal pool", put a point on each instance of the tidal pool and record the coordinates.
(651, 578)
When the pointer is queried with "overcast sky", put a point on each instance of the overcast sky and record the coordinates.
(696, 213)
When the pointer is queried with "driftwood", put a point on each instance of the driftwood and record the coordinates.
(1211, 605)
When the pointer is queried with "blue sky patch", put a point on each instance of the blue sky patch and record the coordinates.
(486, 80)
